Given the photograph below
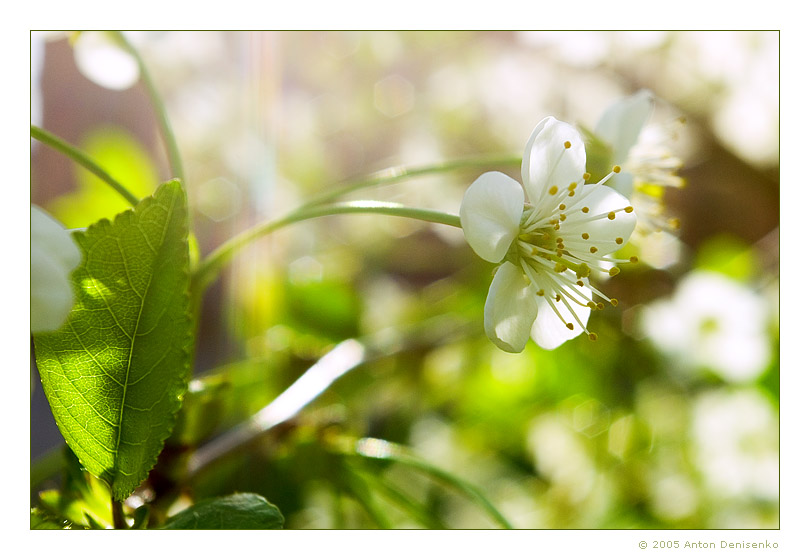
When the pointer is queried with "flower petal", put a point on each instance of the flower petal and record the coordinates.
(607, 235)
(548, 331)
(510, 310)
(490, 214)
(54, 255)
(622, 122)
(546, 161)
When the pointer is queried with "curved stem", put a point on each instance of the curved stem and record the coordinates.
(173, 152)
(396, 174)
(82, 159)
(208, 268)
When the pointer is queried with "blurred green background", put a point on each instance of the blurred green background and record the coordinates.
(670, 419)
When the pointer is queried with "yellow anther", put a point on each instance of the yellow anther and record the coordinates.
(619, 241)
(562, 217)
(613, 271)
(572, 186)
(593, 249)
(674, 223)
(586, 176)
(634, 259)
(585, 209)
(541, 293)
(567, 144)
(617, 169)
(628, 209)
(560, 267)
(562, 206)
(592, 305)
(611, 215)
(585, 236)
(559, 240)
(600, 305)
(571, 192)
(614, 302)
(557, 298)
(570, 326)
(592, 336)
(559, 254)
(583, 271)
(553, 190)
(580, 283)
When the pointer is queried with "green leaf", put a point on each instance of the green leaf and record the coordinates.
(238, 511)
(115, 373)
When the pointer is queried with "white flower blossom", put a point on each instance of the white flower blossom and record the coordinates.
(648, 165)
(54, 255)
(547, 247)
(711, 322)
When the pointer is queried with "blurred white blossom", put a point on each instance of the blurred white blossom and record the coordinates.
(624, 137)
(736, 443)
(54, 255)
(712, 322)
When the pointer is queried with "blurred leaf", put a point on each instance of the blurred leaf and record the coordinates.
(120, 155)
(239, 511)
(327, 307)
(727, 255)
(43, 520)
(114, 374)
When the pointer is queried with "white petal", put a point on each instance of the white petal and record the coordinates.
(546, 161)
(54, 255)
(510, 309)
(549, 332)
(490, 214)
(622, 122)
(104, 62)
(51, 292)
(603, 232)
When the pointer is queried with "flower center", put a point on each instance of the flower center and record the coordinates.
(557, 252)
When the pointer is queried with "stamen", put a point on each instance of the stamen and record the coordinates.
(611, 215)
(585, 236)
(562, 206)
(592, 336)
(585, 209)
(628, 209)
(567, 144)
(614, 302)
(617, 169)
(586, 176)
(613, 271)
(553, 190)
(593, 249)
(570, 326)
(619, 241)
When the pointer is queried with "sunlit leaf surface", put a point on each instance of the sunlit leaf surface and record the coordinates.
(115, 372)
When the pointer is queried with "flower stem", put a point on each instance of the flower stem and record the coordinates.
(207, 269)
(397, 174)
(173, 152)
(82, 159)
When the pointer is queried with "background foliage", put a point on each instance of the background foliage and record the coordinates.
(651, 426)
